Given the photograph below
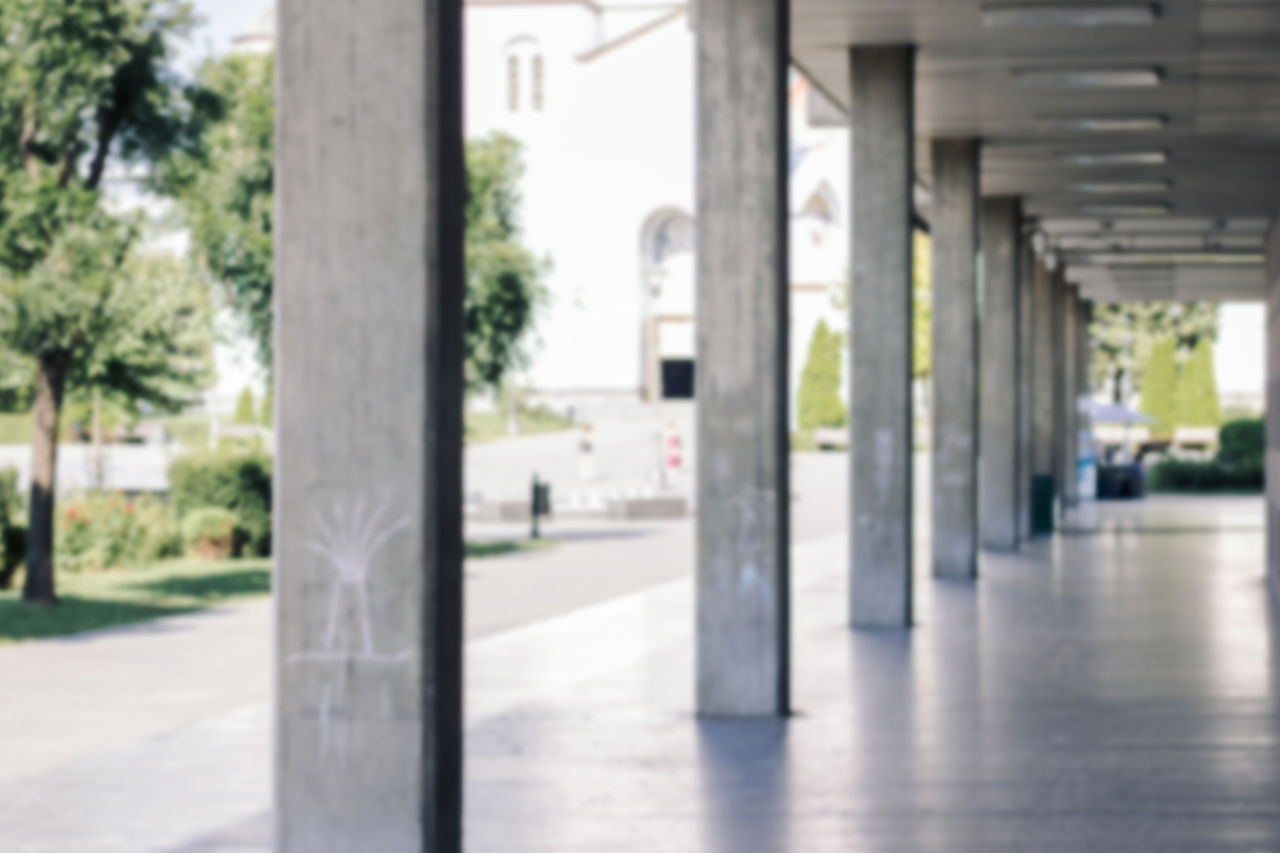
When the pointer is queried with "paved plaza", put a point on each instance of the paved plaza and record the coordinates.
(1111, 689)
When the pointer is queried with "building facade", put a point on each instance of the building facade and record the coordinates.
(602, 98)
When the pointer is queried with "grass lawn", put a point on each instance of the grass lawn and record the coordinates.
(497, 548)
(94, 600)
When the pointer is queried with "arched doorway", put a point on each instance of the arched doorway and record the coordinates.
(668, 265)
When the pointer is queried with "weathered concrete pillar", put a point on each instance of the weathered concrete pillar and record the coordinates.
(1070, 396)
(743, 491)
(1058, 299)
(1001, 480)
(1042, 360)
(882, 138)
(955, 358)
(1026, 380)
(368, 377)
(1272, 476)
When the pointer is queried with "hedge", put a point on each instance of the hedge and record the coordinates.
(1240, 465)
(240, 483)
(1243, 441)
(1180, 475)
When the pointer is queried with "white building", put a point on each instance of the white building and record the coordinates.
(602, 98)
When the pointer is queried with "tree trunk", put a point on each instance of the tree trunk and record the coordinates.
(39, 588)
(99, 478)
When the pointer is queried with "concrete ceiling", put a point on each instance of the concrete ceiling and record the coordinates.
(1206, 72)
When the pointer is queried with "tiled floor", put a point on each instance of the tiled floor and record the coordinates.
(1106, 691)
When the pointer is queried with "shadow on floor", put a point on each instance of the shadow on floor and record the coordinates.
(212, 587)
(74, 615)
(742, 768)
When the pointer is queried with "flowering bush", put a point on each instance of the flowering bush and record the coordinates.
(210, 532)
(104, 531)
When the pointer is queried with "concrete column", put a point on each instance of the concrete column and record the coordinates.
(368, 378)
(1273, 408)
(882, 138)
(1057, 328)
(1026, 381)
(1042, 359)
(1070, 397)
(955, 358)
(743, 491)
(1000, 478)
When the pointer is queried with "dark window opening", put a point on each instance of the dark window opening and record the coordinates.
(677, 379)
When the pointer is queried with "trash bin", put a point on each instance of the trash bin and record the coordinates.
(1042, 494)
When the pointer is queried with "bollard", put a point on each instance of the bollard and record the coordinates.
(539, 504)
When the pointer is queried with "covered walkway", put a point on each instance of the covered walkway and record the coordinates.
(1112, 690)
(1108, 691)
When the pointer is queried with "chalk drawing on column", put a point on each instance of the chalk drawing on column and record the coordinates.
(347, 539)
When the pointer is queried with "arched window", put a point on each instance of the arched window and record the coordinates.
(513, 83)
(669, 235)
(537, 72)
(525, 71)
(821, 205)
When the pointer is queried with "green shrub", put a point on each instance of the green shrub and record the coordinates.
(209, 522)
(818, 398)
(13, 534)
(1242, 441)
(104, 531)
(1180, 475)
(210, 532)
(240, 483)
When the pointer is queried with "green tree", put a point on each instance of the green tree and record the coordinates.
(246, 411)
(504, 280)
(224, 183)
(268, 412)
(922, 306)
(1196, 396)
(818, 397)
(1159, 387)
(1125, 332)
(82, 83)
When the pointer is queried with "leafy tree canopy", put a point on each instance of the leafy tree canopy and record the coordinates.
(84, 84)
(224, 183)
(922, 306)
(1125, 333)
(504, 280)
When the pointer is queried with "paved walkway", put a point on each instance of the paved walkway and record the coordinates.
(1112, 689)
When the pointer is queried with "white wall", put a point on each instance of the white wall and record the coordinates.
(614, 146)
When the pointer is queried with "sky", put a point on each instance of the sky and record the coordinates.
(222, 21)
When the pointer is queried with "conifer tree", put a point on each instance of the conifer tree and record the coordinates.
(1159, 387)
(818, 397)
(1196, 398)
